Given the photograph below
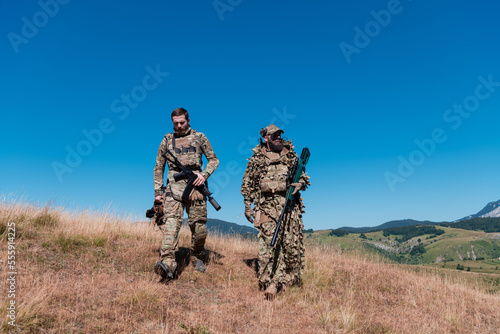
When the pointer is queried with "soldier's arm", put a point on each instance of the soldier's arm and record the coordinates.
(212, 161)
(302, 184)
(248, 188)
(245, 189)
(303, 180)
(248, 184)
(159, 167)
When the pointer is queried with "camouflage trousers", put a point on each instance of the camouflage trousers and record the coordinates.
(197, 220)
(282, 264)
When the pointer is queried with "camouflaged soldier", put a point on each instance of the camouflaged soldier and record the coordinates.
(265, 185)
(187, 145)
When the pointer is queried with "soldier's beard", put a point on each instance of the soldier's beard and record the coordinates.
(180, 132)
(276, 146)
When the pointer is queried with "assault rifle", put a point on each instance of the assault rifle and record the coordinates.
(299, 167)
(187, 173)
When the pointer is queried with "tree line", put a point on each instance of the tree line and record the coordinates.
(408, 232)
(488, 225)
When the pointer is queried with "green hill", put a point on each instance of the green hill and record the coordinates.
(223, 227)
(389, 224)
(488, 225)
(420, 245)
(226, 228)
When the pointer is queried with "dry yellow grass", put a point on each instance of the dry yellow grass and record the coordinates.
(84, 272)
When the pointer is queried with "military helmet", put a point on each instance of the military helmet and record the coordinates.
(269, 130)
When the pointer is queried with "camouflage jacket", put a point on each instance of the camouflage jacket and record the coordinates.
(267, 172)
(188, 149)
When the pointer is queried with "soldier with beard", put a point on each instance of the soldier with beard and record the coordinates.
(264, 186)
(187, 145)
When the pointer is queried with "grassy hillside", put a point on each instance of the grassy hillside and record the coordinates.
(87, 272)
(448, 247)
(488, 225)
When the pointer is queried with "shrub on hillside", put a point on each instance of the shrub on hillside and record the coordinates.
(71, 242)
(338, 233)
(45, 219)
(420, 249)
(408, 232)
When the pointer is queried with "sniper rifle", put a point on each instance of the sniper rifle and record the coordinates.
(299, 168)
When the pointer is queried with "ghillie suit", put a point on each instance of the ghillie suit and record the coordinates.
(265, 185)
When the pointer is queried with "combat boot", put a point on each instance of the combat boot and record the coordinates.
(199, 266)
(164, 271)
(270, 292)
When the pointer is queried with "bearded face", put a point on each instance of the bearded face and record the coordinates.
(274, 142)
(181, 124)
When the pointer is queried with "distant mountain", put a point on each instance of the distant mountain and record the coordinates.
(392, 223)
(491, 210)
(223, 227)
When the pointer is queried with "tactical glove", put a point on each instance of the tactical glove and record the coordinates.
(298, 186)
(249, 213)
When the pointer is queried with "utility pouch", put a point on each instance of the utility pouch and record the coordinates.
(269, 186)
(260, 218)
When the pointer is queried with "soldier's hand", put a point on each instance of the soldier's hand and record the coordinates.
(200, 180)
(249, 213)
(298, 186)
(159, 199)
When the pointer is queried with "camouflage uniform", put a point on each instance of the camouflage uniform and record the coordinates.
(188, 148)
(264, 185)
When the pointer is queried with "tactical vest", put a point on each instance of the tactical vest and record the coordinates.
(187, 149)
(274, 180)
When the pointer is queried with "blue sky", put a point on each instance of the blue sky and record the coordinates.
(398, 101)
